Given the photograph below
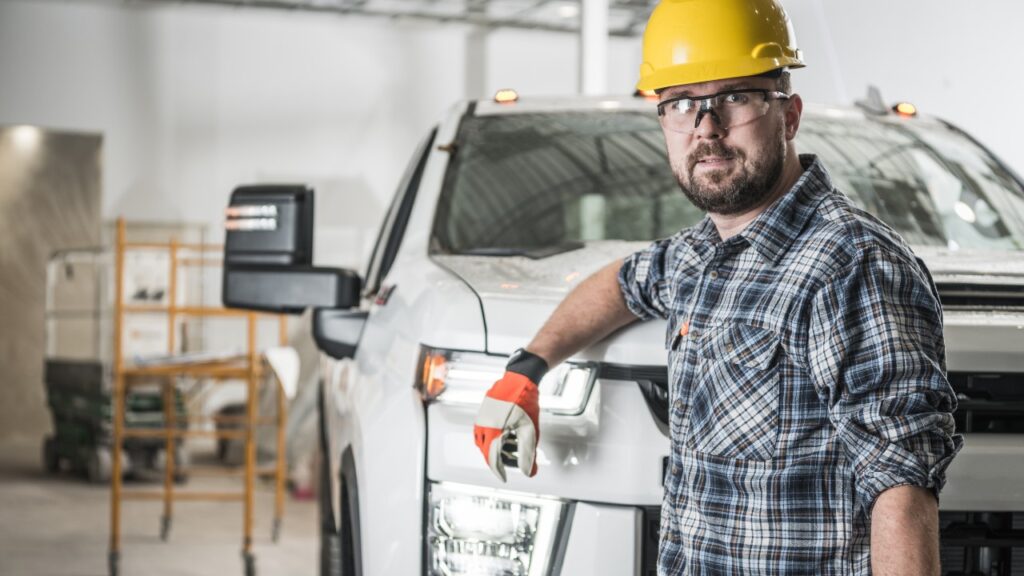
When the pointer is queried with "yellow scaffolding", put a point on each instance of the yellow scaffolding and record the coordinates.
(247, 366)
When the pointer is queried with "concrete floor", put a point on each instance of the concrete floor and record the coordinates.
(60, 526)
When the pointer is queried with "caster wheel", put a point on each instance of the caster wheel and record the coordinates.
(114, 563)
(275, 532)
(250, 563)
(99, 467)
(165, 528)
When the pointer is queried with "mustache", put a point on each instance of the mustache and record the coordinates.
(711, 148)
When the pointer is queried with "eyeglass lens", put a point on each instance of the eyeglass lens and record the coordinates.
(728, 109)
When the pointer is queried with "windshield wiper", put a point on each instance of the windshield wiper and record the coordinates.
(537, 253)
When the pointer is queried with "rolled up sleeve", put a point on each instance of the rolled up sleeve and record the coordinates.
(876, 353)
(642, 278)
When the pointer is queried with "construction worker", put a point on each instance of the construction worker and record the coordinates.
(810, 416)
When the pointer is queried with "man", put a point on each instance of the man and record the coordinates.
(810, 417)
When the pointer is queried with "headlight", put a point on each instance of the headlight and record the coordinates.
(484, 532)
(464, 377)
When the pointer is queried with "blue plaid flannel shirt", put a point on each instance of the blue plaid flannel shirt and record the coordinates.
(807, 375)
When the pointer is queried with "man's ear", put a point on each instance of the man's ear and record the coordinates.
(793, 110)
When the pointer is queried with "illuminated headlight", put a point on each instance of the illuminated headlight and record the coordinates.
(483, 532)
(462, 378)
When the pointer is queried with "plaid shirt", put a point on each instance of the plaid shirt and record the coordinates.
(807, 375)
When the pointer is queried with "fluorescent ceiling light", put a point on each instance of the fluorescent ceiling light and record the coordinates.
(568, 10)
(26, 138)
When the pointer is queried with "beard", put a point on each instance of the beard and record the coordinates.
(736, 192)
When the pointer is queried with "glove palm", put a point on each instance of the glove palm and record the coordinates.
(509, 415)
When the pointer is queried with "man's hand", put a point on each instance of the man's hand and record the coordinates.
(509, 415)
(905, 533)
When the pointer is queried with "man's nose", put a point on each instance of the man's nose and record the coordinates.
(708, 124)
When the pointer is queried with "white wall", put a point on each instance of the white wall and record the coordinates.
(195, 100)
(956, 60)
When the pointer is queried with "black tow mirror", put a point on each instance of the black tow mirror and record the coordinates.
(270, 226)
(338, 332)
(268, 254)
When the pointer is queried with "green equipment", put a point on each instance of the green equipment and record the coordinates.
(78, 376)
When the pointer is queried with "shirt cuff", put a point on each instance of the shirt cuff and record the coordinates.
(878, 480)
(632, 302)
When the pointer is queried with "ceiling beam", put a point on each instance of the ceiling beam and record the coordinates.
(361, 8)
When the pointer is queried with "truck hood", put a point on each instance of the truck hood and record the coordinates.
(518, 294)
(983, 267)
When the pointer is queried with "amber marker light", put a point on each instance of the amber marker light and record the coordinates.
(905, 109)
(434, 370)
(506, 96)
(646, 94)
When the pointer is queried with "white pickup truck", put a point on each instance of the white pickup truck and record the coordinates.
(504, 208)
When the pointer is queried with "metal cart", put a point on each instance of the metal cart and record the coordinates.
(78, 379)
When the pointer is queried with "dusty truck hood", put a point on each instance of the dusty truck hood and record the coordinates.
(519, 293)
(974, 266)
(980, 337)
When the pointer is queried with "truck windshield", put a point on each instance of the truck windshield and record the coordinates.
(524, 183)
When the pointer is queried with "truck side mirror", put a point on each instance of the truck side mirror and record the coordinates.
(337, 332)
(268, 254)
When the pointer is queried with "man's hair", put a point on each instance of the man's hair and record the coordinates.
(782, 79)
(783, 83)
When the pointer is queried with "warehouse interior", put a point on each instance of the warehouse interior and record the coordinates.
(132, 121)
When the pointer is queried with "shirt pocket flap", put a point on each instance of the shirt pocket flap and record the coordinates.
(741, 344)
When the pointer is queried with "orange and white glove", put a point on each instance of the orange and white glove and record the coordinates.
(506, 428)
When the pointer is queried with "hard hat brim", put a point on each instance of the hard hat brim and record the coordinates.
(697, 73)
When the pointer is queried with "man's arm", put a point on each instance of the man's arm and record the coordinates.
(876, 354)
(511, 408)
(905, 533)
(593, 310)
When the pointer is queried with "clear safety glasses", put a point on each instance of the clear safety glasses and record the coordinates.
(730, 108)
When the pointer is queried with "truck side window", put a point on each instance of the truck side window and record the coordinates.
(389, 239)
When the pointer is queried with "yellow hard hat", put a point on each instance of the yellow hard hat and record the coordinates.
(691, 41)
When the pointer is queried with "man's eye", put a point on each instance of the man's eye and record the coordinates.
(740, 98)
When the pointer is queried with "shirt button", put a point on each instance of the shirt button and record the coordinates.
(675, 470)
(713, 275)
(728, 347)
(678, 404)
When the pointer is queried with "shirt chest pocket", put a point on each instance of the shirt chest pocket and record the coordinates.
(734, 407)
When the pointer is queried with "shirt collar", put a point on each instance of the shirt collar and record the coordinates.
(705, 231)
(775, 229)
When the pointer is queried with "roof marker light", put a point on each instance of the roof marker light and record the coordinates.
(905, 109)
(646, 94)
(506, 96)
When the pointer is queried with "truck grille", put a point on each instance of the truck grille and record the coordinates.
(989, 403)
(980, 296)
(973, 544)
(984, 544)
(653, 382)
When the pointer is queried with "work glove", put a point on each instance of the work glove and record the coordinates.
(506, 429)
